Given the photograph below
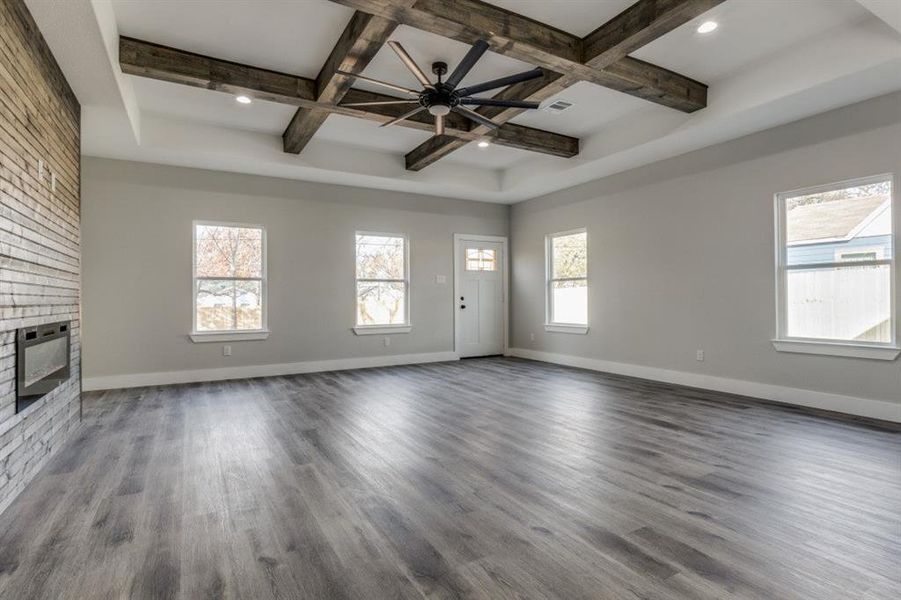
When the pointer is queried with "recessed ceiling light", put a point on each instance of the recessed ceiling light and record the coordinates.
(707, 26)
(484, 144)
(244, 99)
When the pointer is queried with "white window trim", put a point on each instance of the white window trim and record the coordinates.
(407, 325)
(561, 328)
(382, 329)
(873, 351)
(481, 261)
(833, 347)
(549, 325)
(229, 335)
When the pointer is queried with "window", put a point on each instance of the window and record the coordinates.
(567, 282)
(481, 259)
(836, 269)
(229, 281)
(383, 283)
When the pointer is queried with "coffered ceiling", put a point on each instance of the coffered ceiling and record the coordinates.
(768, 62)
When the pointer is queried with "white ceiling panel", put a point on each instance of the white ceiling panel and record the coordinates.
(426, 48)
(592, 108)
(210, 107)
(578, 17)
(367, 134)
(492, 157)
(749, 30)
(282, 35)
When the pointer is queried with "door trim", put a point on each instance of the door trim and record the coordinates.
(459, 238)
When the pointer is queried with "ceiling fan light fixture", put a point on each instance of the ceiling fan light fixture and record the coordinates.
(707, 26)
(444, 97)
(243, 99)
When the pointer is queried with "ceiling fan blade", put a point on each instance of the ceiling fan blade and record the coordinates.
(397, 88)
(411, 64)
(505, 103)
(381, 103)
(502, 82)
(403, 116)
(468, 62)
(439, 125)
(473, 115)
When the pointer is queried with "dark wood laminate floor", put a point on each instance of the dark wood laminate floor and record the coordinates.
(492, 478)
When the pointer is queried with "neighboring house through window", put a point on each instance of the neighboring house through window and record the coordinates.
(229, 279)
(567, 282)
(836, 268)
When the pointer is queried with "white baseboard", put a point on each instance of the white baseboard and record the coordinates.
(112, 382)
(862, 407)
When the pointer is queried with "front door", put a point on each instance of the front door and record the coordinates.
(480, 298)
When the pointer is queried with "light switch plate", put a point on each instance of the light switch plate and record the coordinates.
(440, 279)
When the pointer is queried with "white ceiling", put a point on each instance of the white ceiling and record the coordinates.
(749, 31)
(769, 62)
(282, 35)
(578, 17)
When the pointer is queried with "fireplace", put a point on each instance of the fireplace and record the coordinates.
(42, 361)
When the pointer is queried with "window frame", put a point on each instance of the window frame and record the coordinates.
(230, 335)
(827, 346)
(549, 324)
(407, 325)
(481, 260)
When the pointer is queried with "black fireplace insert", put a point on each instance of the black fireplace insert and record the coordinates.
(42, 361)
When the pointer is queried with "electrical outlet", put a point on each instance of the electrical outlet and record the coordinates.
(226, 350)
(532, 336)
(386, 340)
(700, 355)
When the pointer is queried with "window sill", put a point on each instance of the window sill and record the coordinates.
(838, 349)
(382, 329)
(558, 328)
(228, 336)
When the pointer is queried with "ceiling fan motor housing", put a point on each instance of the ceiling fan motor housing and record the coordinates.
(439, 101)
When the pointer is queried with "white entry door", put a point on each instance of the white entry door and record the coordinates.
(480, 299)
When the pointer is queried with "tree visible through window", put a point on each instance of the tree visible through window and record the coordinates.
(567, 285)
(382, 280)
(229, 277)
(836, 260)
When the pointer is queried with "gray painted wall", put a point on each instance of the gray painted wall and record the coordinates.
(137, 232)
(681, 254)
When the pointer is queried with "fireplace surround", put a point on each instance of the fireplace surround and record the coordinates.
(42, 361)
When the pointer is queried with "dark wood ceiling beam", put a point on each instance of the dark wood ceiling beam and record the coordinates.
(364, 35)
(154, 61)
(146, 59)
(606, 49)
(539, 44)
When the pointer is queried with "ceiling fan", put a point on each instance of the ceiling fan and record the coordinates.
(442, 97)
